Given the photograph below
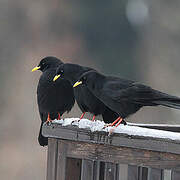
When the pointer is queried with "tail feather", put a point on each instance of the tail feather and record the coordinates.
(168, 100)
(172, 103)
(43, 141)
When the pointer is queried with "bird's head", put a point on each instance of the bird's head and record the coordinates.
(59, 72)
(69, 71)
(47, 62)
(88, 79)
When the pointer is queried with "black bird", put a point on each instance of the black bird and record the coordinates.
(86, 101)
(125, 96)
(53, 98)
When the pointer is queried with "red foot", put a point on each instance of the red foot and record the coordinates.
(59, 116)
(82, 115)
(49, 120)
(93, 118)
(118, 121)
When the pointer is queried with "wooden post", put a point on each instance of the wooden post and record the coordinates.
(52, 159)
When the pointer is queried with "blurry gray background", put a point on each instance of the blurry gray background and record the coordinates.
(135, 39)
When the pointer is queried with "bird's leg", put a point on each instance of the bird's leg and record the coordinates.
(82, 115)
(49, 120)
(93, 118)
(112, 124)
(118, 119)
(59, 116)
(119, 122)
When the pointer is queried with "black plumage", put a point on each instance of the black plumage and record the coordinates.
(86, 101)
(125, 96)
(53, 98)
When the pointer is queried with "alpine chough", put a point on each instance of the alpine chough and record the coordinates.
(53, 98)
(85, 99)
(125, 96)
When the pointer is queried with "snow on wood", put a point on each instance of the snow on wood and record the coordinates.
(121, 129)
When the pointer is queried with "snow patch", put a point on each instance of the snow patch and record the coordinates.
(98, 125)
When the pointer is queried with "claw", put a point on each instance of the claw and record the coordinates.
(118, 121)
(49, 120)
(75, 121)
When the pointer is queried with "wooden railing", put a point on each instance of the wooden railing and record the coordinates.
(79, 154)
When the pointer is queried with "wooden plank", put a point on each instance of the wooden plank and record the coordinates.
(96, 170)
(132, 156)
(73, 169)
(165, 127)
(122, 172)
(167, 174)
(132, 172)
(102, 169)
(52, 159)
(110, 171)
(77, 134)
(61, 160)
(175, 175)
(155, 174)
(87, 169)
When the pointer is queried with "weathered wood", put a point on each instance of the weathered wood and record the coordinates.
(122, 172)
(61, 160)
(102, 169)
(52, 159)
(77, 134)
(142, 173)
(155, 174)
(87, 169)
(110, 171)
(166, 174)
(96, 170)
(102, 156)
(114, 154)
(73, 169)
(132, 172)
(175, 175)
(165, 127)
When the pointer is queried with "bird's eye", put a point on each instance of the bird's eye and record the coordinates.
(61, 71)
(84, 78)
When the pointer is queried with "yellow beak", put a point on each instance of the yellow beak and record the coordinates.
(77, 83)
(56, 77)
(35, 69)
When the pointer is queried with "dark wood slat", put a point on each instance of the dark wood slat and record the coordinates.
(73, 169)
(132, 172)
(142, 173)
(87, 169)
(165, 127)
(124, 155)
(102, 169)
(96, 170)
(76, 134)
(175, 175)
(52, 159)
(61, 160)
(110, 171)
(155, 174)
